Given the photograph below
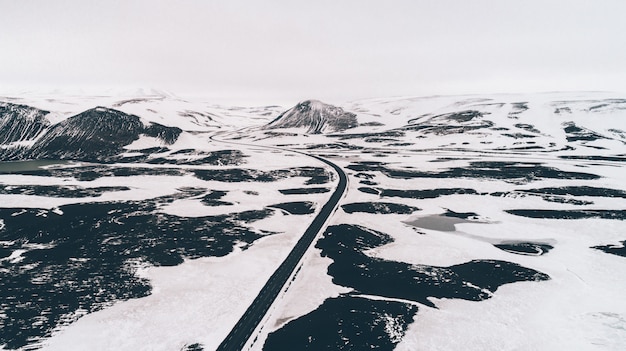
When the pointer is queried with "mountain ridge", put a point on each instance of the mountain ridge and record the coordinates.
(97, 134)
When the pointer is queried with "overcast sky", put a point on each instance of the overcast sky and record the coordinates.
(285, 50)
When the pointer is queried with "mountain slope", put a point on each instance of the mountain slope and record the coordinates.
(20, 123)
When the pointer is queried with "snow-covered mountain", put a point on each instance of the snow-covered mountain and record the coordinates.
(315, 117)
(97, 134)
(93, 135)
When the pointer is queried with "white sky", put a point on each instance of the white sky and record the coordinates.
(287, 50)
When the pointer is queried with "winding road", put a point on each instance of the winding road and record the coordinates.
(246, 325)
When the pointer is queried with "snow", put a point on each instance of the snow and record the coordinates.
(208, 294)
(15, 256)
(244, 197)
(581, 307)
(308, 291)
(144, 142)
(197, 301)
(567, 312)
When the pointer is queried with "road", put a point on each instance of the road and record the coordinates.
(244, 328)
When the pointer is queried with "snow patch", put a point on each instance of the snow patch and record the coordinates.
(145, 142)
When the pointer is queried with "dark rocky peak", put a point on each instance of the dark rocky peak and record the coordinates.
(316, 117)
(100, 122)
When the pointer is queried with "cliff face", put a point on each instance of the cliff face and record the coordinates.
(316, 117)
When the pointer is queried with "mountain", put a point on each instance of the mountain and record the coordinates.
(316, 117)
(98, 134)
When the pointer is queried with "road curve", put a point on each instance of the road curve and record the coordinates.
(241, 332)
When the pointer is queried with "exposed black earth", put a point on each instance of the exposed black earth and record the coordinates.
(83, 260)
(528, 127)
(379, 324)
(475, 280)
(385, 134)
(296, 208)
(461, 215)
(515, 172)
(578, 191)
(303, 191)
(213, 198)
(613, 249)
(576, 133)
(525, 248)
(89, 173)
(594, 157)
(379, 208)
(316, 175)
(193, 347)
(449, 123)
(566, 194)
(570, 214)
(519, 135)
(213, 158)
(345, 323)
(418, 194)
(58, 190)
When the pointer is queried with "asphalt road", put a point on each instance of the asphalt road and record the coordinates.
(242, 331)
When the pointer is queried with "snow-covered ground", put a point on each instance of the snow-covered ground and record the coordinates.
(578, 308)
(199, 300)
(555, 141)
